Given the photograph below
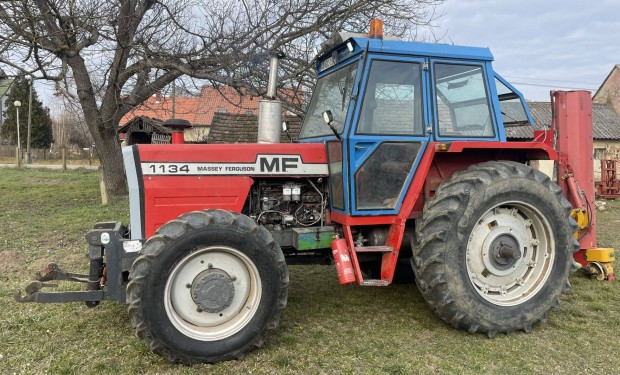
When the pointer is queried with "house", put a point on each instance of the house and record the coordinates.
(199, 110)
(605, 130)
(609, 91)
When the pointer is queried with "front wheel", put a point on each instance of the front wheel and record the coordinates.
(494, 248)
(207, 287)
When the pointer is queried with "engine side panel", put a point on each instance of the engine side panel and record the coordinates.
(170, 180)
(166, 198)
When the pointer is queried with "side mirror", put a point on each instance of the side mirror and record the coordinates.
(328, 117)
(285, 130)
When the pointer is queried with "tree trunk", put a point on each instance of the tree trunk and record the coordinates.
(109, 151)
(102, 124)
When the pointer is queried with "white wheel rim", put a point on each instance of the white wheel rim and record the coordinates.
(507, 281)
(210, 326)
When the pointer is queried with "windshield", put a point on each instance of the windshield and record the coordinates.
(333, 92)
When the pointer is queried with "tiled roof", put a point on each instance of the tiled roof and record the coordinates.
(605, 122)
(231, 128)
(197, 110)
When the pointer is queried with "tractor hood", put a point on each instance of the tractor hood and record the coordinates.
(175, 179)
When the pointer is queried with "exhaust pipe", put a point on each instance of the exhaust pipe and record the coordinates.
(270, 109)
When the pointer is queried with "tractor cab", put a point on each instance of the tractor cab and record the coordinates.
(386, 99)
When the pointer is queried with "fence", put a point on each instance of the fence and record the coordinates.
(8, 154)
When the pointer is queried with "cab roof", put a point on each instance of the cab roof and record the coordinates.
(410, 48)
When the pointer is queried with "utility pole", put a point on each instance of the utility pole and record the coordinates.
(174, 98)
(18, 104)
(28, 154)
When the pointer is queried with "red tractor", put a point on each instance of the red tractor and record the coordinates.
(402, 157)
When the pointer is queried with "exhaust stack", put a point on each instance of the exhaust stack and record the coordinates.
(270, 109)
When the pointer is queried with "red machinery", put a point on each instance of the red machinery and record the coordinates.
(608, 188)
(572, 119)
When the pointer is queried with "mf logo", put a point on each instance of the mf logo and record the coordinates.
(275, 164)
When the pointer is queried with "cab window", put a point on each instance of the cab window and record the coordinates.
(392, 102)
(462, 101)
(513, 111)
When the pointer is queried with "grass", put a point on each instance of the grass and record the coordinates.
(325, 329)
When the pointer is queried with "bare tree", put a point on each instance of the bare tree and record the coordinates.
(113, 55)
(70, 129)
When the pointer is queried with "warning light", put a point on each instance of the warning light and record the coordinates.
(376, 28)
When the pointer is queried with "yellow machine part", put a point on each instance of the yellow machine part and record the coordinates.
(600, 254)
(600, 263)
(582, 219)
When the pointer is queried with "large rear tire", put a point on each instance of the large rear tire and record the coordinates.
(494, 248)
(207, 287)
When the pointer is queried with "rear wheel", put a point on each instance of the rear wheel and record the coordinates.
(207, 287)
(494, 248)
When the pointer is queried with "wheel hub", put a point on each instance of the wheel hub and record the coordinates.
(510, 253)
(504, 251)
(213, 290)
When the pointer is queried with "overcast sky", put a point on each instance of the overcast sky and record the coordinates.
(555, 44)
(538, 45)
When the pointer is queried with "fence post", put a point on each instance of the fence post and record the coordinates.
(64, 158)
(104, 192)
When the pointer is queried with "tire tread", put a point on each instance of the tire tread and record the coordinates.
(439, 219)
(154, 247)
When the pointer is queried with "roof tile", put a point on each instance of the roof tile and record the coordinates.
(605, 122)
(197, 110)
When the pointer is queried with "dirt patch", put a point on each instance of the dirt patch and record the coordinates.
(12, 262)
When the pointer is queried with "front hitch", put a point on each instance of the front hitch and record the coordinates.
(50, 273)
(110, 254)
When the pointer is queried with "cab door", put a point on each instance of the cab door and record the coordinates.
(388, 134)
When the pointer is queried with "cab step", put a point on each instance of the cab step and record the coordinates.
(374, 282)
(374, 249)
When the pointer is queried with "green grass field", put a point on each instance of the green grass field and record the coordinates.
(326, 328)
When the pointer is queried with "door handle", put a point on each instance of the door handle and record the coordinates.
(358, 147)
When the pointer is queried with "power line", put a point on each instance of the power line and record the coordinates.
(553, 86)
(553, 80)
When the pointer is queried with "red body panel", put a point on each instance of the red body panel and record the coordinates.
(506, 150)
(238, 152)
(168, 196)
